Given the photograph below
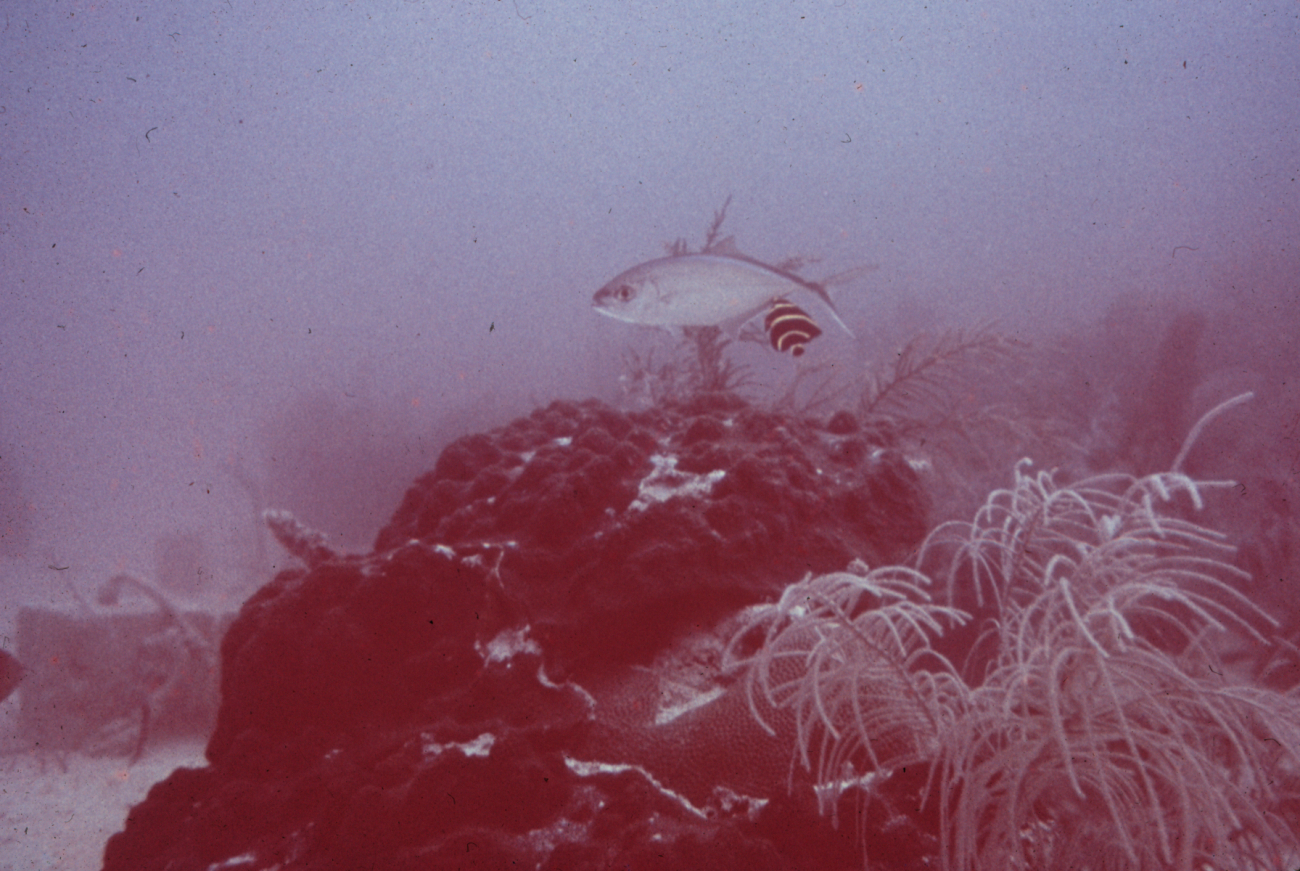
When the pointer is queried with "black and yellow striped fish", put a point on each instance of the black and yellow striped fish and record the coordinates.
(789, 327)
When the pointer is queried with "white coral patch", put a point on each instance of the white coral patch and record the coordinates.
(506, 645)
(679, 700)
(664, 482)
(242, 861)
(583, 768)
(480, 746)
(732, 802)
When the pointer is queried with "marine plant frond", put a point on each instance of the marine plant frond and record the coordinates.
(850, 656)
(1103, 529)
(711, 237)
(806, 397)
(1280, 665)
(699, 365)
(928, 371)
(677, 248)
(1108, 526)
(644, 382)
(709, 370)
(713, 241)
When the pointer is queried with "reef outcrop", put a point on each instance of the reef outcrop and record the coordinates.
(526, 671)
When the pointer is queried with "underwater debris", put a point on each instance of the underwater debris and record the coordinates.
(177, 654)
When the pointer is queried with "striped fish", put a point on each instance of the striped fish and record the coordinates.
(789, 327)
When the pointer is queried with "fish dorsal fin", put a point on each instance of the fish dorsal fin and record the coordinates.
(726, 247)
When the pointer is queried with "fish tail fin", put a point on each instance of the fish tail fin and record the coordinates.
(820, 290)
(841, 278)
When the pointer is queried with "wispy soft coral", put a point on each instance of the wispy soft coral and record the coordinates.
(1093, 725)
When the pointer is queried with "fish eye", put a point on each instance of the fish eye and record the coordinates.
(625, 292)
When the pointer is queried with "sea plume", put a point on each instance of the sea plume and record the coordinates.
(925, 377)
(849, 655)
(1093, 724)
(1103, 724)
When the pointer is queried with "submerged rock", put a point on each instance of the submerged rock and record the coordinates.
(526, 669)
(624, 530)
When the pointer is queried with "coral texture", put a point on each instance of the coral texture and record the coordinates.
(621, 531)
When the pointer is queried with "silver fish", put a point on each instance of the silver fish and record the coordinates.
(698, 290)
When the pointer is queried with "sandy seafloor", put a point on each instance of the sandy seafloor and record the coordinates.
(52, 819)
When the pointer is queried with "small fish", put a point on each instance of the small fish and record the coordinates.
(700, 290)
(789, 327)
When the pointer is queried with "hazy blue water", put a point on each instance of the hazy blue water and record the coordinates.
(221, 221)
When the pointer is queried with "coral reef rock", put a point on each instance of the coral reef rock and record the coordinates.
(527, 669)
